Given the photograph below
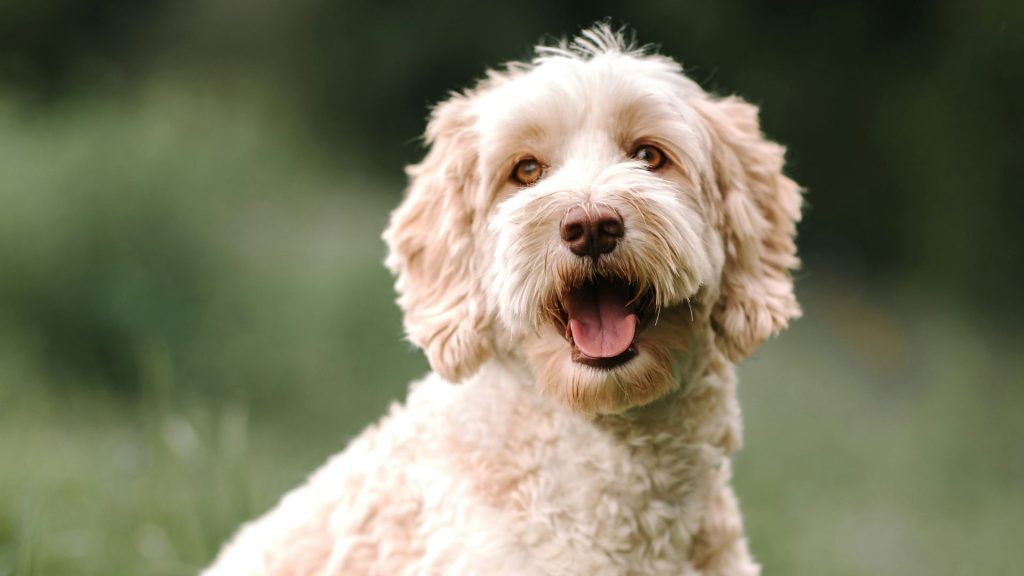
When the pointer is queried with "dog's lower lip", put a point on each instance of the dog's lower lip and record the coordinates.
(604, 363)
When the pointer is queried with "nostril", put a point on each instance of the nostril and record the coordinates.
(612, 227)
(575, 226)
(573, 231)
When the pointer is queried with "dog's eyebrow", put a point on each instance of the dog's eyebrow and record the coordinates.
(524, 132)
(635, 117)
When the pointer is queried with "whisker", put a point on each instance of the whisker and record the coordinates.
(636, 207)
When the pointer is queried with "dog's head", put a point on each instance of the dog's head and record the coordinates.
(598, 215)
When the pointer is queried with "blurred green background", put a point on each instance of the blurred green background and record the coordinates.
(194, 313)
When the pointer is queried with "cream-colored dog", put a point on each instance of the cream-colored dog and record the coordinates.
(589, 245)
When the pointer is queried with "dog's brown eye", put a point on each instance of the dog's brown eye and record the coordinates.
(650, 155)
(527, 171)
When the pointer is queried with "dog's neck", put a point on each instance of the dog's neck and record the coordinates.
(690, 412)
(701, 409)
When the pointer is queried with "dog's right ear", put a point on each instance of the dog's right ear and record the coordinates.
(433, 249)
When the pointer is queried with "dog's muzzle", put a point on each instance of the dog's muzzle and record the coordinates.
(602, 315)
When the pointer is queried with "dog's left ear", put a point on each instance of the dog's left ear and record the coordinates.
(434, 252)
(760, 207)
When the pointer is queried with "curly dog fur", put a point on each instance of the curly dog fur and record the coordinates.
(554, 436)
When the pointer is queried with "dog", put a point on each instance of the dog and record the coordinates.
(590, 244)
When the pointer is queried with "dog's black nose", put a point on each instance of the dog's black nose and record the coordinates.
(591, 230)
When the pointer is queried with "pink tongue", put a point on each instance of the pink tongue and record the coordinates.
(601, 324)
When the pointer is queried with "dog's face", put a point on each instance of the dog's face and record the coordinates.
(597, 215)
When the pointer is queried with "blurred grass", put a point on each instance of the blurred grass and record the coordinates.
(883, 436)
(193, 315)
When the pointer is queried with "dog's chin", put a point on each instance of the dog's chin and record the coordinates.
(610, 355)
(645, 377)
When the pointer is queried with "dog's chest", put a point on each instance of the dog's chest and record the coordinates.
(580, 498)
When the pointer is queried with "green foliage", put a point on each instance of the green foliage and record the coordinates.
(184, 225)
(193, 313)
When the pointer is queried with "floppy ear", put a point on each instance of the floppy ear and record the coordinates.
(433, 250)
(760, 207)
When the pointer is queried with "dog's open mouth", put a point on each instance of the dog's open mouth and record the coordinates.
(602, 319)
